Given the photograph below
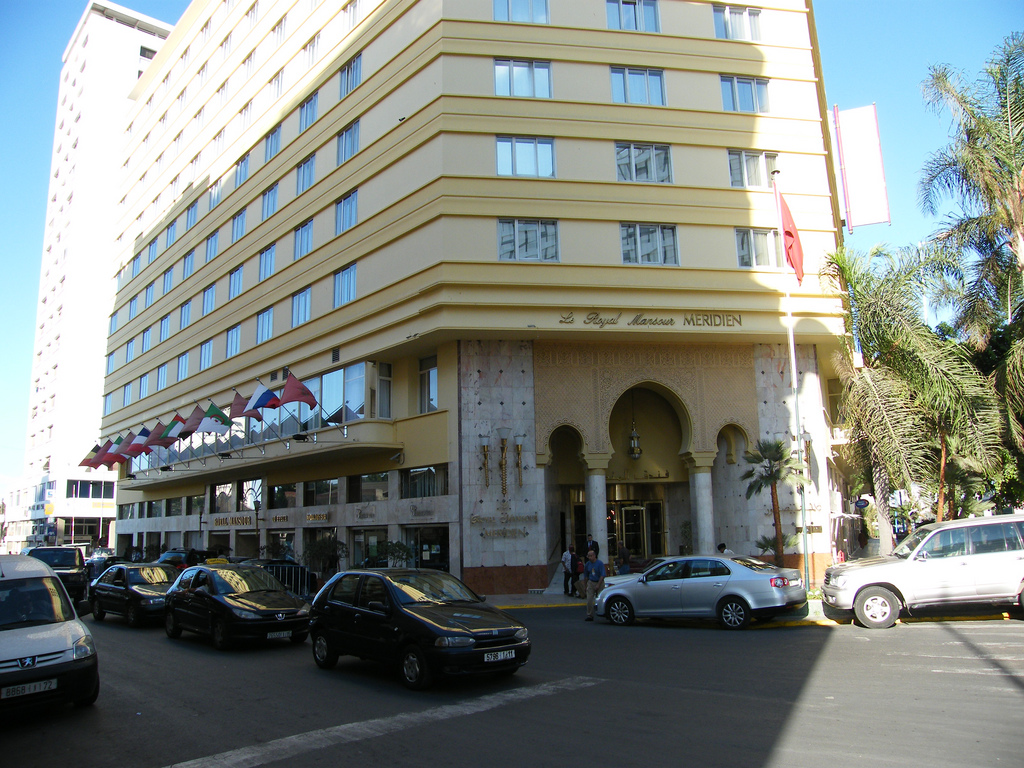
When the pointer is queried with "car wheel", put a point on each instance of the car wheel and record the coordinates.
(171, 625)
(324, 657)
(90, 699)
(734, 613)
(97, 612)
(414, 669)
(876, 608)
(221, 641)
(132, 615)
(619, 611)
(299, 637)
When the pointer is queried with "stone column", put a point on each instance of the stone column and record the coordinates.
(597, 509)
(702, 507)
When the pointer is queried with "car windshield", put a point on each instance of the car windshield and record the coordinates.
(59, 558)
(231, 581)
(906, 547)
(32, 602)
(101, 552)
(152, 574)
(438, 587)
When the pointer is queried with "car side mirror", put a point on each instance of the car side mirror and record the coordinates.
(921, 556)
(84, 608)
(642, 579)
(378, 606)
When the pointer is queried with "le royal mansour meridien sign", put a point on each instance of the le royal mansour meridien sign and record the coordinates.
(633, 319)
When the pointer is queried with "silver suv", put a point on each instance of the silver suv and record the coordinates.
(977, 560)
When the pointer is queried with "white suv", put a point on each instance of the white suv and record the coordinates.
(976, 560)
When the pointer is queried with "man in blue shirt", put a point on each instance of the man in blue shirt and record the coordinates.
(593, 574)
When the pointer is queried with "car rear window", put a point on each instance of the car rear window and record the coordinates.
(59, 558)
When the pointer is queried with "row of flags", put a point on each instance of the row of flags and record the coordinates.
(123, 448)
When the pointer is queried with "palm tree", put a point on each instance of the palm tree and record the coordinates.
(774, 465)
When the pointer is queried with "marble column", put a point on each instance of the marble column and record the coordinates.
(702, 510)
(597, 509)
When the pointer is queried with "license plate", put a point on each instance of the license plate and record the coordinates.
(23, 690)
(277, 635)
(499, 656)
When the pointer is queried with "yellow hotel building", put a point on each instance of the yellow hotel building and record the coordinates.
(494, 238)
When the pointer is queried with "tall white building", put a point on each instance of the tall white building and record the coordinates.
(58, 501)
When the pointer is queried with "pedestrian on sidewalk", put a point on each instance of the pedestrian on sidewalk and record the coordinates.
(623, 563)
(593, 546)
(593, 575)
(568, 569)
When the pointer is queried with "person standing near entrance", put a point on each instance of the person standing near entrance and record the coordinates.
(593, 546)
(568, 572)
(623, 564)
(593, 575)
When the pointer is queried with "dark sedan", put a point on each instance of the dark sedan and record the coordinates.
(135, 590)
(234, 602)
(423, 621)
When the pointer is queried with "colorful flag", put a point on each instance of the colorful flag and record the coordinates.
(790, 237)
(297, 392)
(153, 441)
(238, 406)
(214, 420)
(172, 432)
(98, 459)
(261, 398)
(191, 423)
(90, 457)
(138, 445)
(113, 455)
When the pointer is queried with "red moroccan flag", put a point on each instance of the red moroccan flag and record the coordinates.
(790, 237)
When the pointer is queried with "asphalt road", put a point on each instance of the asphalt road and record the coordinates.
(935, 694)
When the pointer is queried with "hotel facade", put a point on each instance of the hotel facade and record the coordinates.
(524, 256)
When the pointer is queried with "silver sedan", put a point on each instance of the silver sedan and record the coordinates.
(733, 589)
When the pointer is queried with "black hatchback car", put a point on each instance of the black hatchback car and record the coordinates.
(135, 590)
(234, 602)
(425, 622)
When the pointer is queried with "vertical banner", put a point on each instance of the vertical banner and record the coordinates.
(860, 166)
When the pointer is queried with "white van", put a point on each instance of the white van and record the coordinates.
(47, 654)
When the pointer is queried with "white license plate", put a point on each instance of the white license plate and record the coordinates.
(277, 635)
(499, 656)
(23, 690)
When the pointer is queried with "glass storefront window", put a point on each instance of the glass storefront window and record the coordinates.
(320, 492)
(283, 496)
(223, 499)
(367, 488)
(195, 505)
(173, 506)
(425, 481)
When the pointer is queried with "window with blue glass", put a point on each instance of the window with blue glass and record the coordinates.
(148, 295)
(172, 234)
(209, 299)
(523, 11)
(638, 86)
(267, 262)
(161, 377)
(205, 355)
(188, 264)
(147, 337)
(301, 307)
(211, 246)
(151, 257)
(238, 226)
(143, 385)
(272, 144)
(633, 15)
(234, 283)
(265, 325)
(348, 142)
(133, 307)
(305, 174)
(241, 171)
(233, 341)
(185, 314)
(191, 215)
(307, 112)
(168, 281)
(351, 75)
(303, 239)
(269, 202)
(165, 327)
(183, 366)
(345, 286)
(129, 350)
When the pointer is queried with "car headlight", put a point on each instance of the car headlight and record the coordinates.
(244, 614)
(522, 634)
(84, 647)
(153, 601)
(839, 581)
(459, 641)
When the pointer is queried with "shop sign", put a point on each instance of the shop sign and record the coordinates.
(233, 520)
(317, 517)
(280, 519)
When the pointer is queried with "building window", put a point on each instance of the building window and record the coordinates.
(205, 355)
(525, 11)
(319, 493)
(384, 390)
(209, 299)
(133, 307)
(737, 23)
(524, 156)
(126, 394)
(136, 264)
(649, 244)
(751, 169)
(305, 174)
(171, 234)
(267, 262)
(161, 377)
(345, 286)
(185, 315)
(108, 403)
(265, 325)
(425, 482)
(527, 79)
(233, 338)
(238, 226)
(148, 295)
(527, 240)
(638, 86)
(744, 94)
(283, 496)
(234, 283)
(348, 142)
(211, 247)
(279, 31)
(636, 15)
(310, 49)
(110, 363)
(165, 327)
(188, 264)
(241, 171)
(346, 212)
(143, 386)
(272, 144)
(428, 384)
(643, 162)
(307, 112)
(215, 188)
(269, 202)
(301, 307)
(151, 256)
(147, 339)
(757, 248)
(168, 281)
(191, 214)
(303, 239)
(351, 75)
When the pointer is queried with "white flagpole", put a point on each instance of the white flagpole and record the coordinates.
(790, 323)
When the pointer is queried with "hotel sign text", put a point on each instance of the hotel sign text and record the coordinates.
(604, 319)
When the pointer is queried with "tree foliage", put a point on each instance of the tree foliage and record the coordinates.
(774, 464)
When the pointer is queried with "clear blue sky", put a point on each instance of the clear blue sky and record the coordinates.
(873, 51)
